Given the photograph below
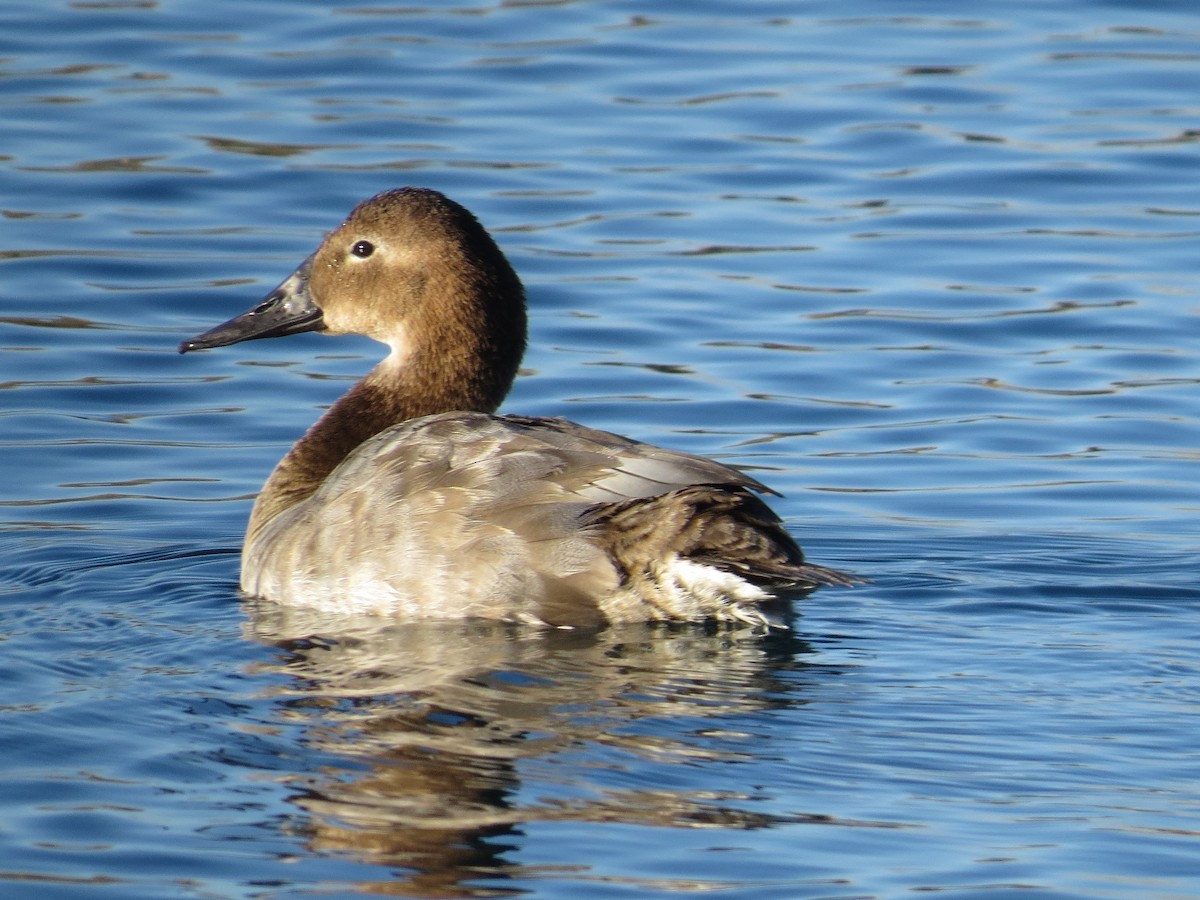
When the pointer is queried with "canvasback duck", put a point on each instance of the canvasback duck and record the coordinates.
(409, 497)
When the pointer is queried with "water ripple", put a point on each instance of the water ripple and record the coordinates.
(931, 276)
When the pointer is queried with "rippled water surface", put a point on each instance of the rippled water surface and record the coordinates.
(930, 273)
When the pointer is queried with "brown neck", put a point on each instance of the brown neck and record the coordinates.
(462, 374)
(360, 414)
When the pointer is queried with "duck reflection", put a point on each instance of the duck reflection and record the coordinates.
(452, 735)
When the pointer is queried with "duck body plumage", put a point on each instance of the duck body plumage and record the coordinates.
(411, 498)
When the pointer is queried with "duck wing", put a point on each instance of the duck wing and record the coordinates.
(533, 519)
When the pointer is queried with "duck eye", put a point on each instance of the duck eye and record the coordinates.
(363, 249)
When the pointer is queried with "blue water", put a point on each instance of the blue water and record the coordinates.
(930, 272)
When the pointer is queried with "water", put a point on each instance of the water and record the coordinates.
(929, 273)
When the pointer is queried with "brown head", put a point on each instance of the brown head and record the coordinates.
(416, 271)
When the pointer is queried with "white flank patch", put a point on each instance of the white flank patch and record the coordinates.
(704, 591)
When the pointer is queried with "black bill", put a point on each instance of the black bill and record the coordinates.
(289, 309)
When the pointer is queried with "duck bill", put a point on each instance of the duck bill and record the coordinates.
(289, 309)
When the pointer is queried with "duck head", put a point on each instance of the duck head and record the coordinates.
(416, 271)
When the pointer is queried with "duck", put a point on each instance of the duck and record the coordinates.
(412, 498)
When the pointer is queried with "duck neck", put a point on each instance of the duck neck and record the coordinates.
(465, 369)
